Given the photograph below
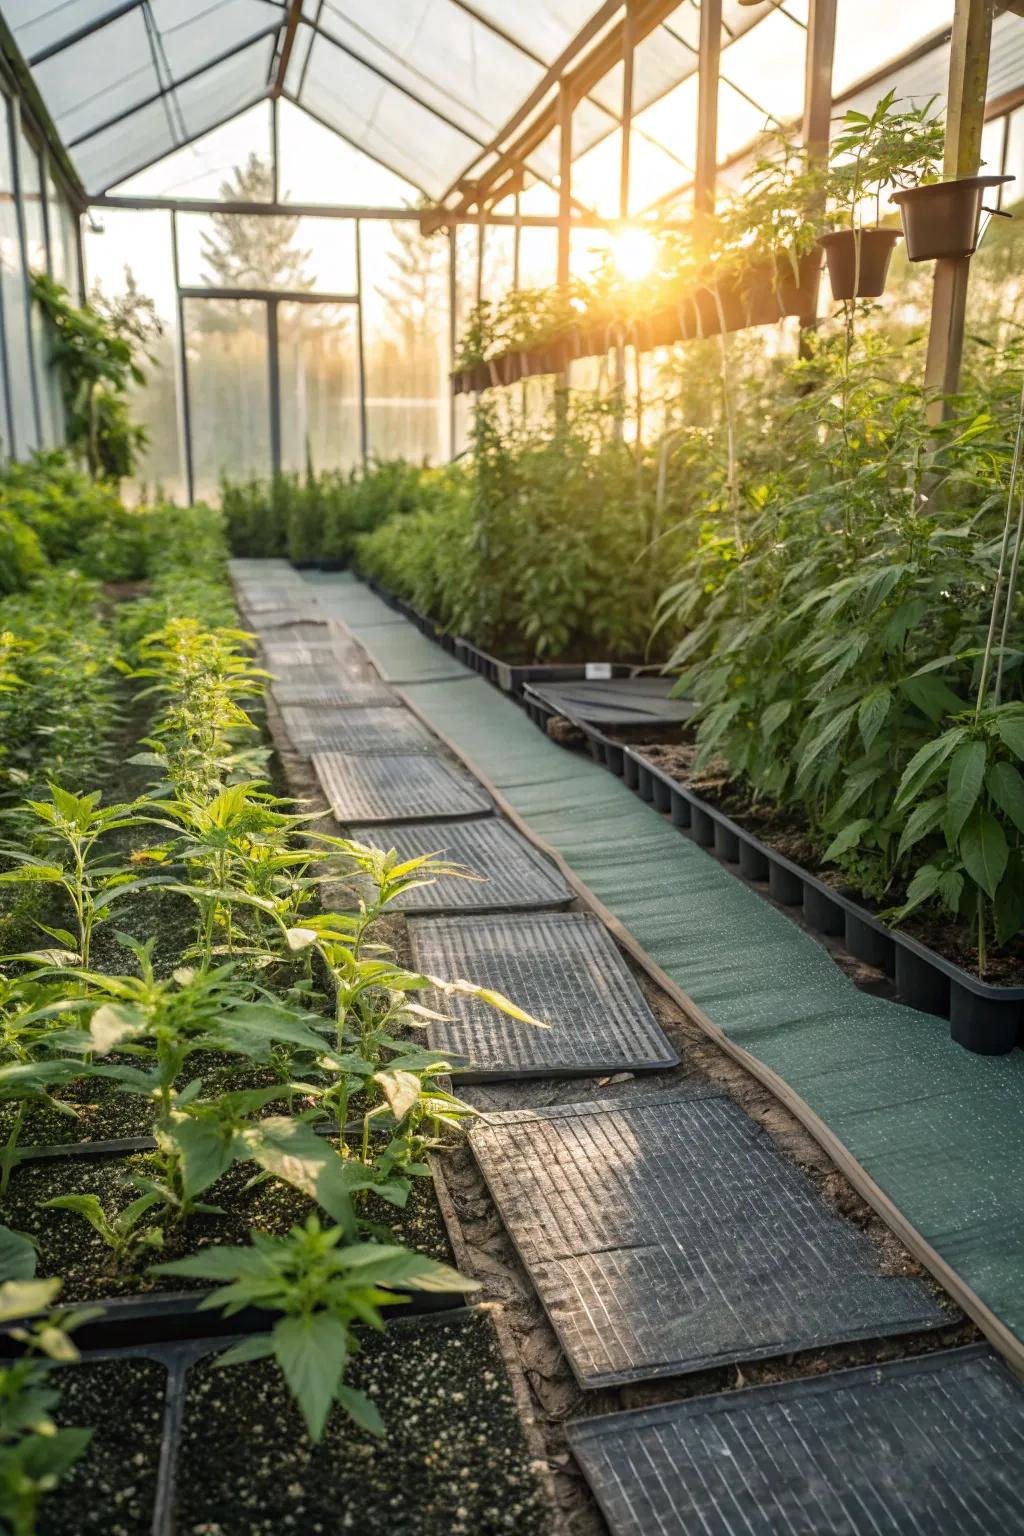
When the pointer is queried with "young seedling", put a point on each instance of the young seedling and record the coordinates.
(323, 1288)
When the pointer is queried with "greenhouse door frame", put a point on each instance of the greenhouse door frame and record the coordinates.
(271, 299)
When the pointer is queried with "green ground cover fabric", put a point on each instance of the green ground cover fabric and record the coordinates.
(939, 1129)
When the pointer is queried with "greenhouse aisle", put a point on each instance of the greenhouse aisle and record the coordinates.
(937, 1128)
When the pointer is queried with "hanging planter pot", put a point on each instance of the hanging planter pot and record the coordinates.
(941, 219)
(858, 261)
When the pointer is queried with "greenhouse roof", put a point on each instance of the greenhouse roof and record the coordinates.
(441, 92)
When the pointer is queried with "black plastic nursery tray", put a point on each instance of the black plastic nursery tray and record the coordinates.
(618, 701)
(930, 1445)
(512, 678)
(984, 1018)
(670, 1235)
(183, 1445)
(560, 967)
(130, 1317)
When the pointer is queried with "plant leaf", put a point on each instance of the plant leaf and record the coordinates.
(984, 851)
(963, 786)
(312, 1352)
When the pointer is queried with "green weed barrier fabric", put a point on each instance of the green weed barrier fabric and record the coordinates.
(940, 1130)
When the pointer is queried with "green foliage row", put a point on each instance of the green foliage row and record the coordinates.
(314, 518)
(549, 543)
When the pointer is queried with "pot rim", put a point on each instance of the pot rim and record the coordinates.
(833, 236)
(934, 188)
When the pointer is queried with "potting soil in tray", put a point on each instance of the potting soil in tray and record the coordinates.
(617, 701)
(454, 1461)
(413, 787)
(672, 1236)
(111, 1491)
(324, 729)
(924, 1447)
(560, 967)
(68, 1246)
(511, 873)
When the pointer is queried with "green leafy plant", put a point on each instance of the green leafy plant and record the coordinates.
(97, 354)
(323, 1288)
(34, 1452)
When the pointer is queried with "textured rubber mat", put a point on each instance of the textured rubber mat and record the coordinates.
(562, 968)
(288, 617)
(618, 701)
(263, 599)
(355, 729)
(412, 787)
(665, 1238)
(517, 876)
(926, 1447)
(345, 692)
(314, 635)
(341, 672)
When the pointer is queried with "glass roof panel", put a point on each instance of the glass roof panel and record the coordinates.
(201, 168)
(192, 108)
(380, 119)
(440, 53)
(37, 26)
(544, 26)
(318, 167)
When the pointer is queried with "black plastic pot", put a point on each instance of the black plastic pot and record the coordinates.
(942, 219)
(863, 275)
(332, 566)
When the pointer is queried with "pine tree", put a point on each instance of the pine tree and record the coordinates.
(254, 250)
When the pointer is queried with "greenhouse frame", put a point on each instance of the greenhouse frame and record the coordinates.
(511, 767)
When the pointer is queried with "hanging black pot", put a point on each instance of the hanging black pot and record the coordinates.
(942, 219)
(865, 280)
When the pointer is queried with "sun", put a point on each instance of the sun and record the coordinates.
(634, 252)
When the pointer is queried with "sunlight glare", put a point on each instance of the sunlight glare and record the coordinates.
(634, 252)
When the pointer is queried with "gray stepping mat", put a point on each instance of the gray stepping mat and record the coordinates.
(341, 671)
(414, 786)
(265, 599)
(289, 641)
(355, 729)
(617, 701)
(666, 1238)
(925, 1447)
(517, 876)
(344, 693)
(561, 967)
(287, 617)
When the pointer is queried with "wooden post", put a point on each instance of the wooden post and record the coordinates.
(817, 120)
(965, 118)
(627, 131)
(708, 63)
(565, 106)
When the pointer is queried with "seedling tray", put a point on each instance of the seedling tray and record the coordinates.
(560, 967)
(355, 729)
(618, 701)
(913, 1446)
(517, 876)
(414, 787)
(670, 1236)
(231, 1454)
(175, 1313)
(984, 1018)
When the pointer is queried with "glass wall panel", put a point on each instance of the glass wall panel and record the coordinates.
(237, 250)
(50, 411)
(318, 358)
(15, 311)
(405, 331)
(128, 253)
(63, 239)
(227, 356)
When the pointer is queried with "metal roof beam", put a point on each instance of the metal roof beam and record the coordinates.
(291, 27)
